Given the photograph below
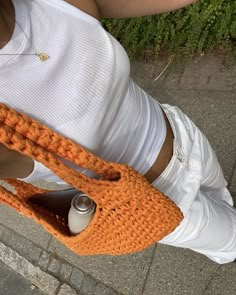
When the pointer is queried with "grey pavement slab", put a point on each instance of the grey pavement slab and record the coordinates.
(209, 72)
(11, 283)
(224, 282)
(176, 271)
(22, 245)
(24, 226)
(42, 280)
(66, 290)
(126, 274)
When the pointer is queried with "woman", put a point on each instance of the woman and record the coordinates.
(60, 66)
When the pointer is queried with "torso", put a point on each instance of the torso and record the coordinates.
(91, 8)
(122, 108)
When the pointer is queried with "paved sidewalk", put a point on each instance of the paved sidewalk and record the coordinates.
(13, 283)
(205, 89)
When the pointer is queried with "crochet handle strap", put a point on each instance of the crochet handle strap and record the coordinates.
(51, 141)
(27, 136)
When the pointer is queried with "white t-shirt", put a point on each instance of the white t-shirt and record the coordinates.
(84, 90)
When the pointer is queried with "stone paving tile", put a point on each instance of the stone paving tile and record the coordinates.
(42, 280)
(54, 266)
(76, 278)
(209, 72)
(24, 226)
(104, 290)
(2, 230)
(66, 290)
(65, 271)
(125, 274)
(34, 252)
(44, 260)
(62, 273)
(12, 283)
(176, 271)
(88, 286)
(22, 245)
(224, 282)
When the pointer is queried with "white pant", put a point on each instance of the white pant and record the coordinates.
(194, 181)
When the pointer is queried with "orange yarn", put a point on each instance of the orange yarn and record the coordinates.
(130, 215)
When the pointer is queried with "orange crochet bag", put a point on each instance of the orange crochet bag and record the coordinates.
(130, 214)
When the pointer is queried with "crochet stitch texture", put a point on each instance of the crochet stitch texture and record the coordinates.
(130, 216)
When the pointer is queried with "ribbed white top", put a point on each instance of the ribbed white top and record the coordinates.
(84, 90)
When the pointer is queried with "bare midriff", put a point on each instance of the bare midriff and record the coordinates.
(164, 156)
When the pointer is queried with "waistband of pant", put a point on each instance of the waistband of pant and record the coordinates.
(180, 152)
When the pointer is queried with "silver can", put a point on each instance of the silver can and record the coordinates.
(81, 213)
